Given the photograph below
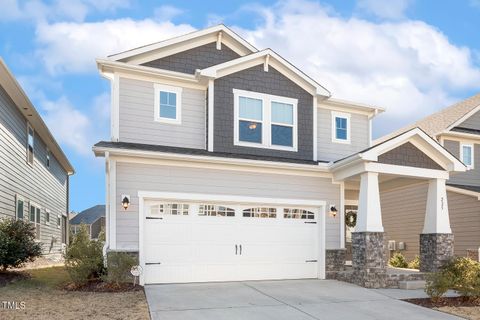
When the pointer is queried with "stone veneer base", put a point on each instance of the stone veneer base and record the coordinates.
(369, 259)
(334, 262)
(436, 249)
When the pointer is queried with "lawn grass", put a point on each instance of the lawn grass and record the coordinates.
(44, 299)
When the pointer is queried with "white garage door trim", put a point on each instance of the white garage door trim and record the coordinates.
(152, 195)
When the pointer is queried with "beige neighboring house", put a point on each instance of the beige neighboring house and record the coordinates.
(457, 129)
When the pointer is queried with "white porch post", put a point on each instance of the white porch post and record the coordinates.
(437, 219)
(369, 217)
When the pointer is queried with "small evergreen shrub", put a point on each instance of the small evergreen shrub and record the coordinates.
(84, 258)
(461, 274)
(398, 260)
(119, 265)
(17, 243)
(415, 263)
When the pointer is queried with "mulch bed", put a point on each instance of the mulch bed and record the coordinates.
(100, 286)
(445, 302)
(12, 276)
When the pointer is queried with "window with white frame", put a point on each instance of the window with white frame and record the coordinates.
(168, 104)
(34, 217)
(173, 209)
(19, 207)
(215, 210)
(260, 212)
(265, 121)
(30, 143)
(293, 213)
(47, 217)
(59, 221)
(340, 127)
(466, 154)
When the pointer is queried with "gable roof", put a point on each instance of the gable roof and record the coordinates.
(442, 120)
(26, 108)
(89, 215)
(266, 57)
(207, 35)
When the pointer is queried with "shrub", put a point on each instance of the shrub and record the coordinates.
(118, 267)
(84, 258)
(461, 274)
(17, 243)
(398, 260)
(415, 263)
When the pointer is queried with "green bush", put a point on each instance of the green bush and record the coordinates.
(398, 260)
(17, 243)
(461, 274)
(84, 258)
(415, 263)
(119, 265)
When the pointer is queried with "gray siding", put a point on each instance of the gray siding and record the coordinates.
(46, 187)
(137, 121)
(331, 151)
(471, 123)
(403, 220)
(257, 80)
(408, 155)
(470, 177)
(197, 58)
(134, 177)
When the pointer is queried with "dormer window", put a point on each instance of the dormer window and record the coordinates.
(265, 121)
(340, 127)
(466, 155)
(168, 102)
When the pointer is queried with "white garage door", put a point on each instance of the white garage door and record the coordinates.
(199, 242)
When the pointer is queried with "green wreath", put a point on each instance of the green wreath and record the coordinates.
(351, 219)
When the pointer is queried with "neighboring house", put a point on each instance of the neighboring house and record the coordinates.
(228, 163)
(34, 171)
(93, 218)
(457, 128)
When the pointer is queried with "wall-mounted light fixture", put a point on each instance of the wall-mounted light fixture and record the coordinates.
(333, 211)
(125, 201)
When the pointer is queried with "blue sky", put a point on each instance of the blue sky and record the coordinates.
(412, 57)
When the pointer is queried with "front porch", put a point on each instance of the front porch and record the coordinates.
(410, 158)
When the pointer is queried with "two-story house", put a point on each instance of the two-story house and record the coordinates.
(457, 128)
(34, 171)
(228, 163)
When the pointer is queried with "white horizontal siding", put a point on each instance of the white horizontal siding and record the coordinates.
(134, 177)
(331, 151)
(137, 124)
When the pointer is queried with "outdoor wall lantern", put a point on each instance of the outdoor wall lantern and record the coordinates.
(125, 201)
(333, 211)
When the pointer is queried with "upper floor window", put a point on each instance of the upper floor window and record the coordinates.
(340, 127)
(168, 104)
(47, 161)
(30, 143)
(265, 121)
(466, 154)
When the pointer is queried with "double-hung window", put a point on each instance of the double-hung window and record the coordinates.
(340, 127)
(19, 207)
(30, 143)
(466, 154)
(35, 215)
(168, 104)
(265, 121)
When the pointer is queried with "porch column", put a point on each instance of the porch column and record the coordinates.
(368, 245)
(436, 240)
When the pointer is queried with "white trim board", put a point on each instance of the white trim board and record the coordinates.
(464, 192)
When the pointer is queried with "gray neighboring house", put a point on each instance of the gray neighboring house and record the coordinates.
(457, 128)
(228, 163)
(93, 218)
(34, 171)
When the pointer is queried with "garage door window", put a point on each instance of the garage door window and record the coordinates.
(261, 212)
(174, 209)
(215, 211)
(292, 213)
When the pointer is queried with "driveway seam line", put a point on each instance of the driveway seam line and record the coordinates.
(291, 306)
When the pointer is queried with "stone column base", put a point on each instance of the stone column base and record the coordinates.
(436, 249)
(334, 262)
(369, 259)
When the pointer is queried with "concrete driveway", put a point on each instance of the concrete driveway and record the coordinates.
(287, 299)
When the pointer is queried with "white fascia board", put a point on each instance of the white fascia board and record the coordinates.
(464, 192)
(154, 195)
(184, 38)
(100, 151)
(344, 105)
(463, 118)
(460, 136)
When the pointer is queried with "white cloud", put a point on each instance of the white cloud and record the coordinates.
(409, 67)
(390, 9)
(73, 47)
